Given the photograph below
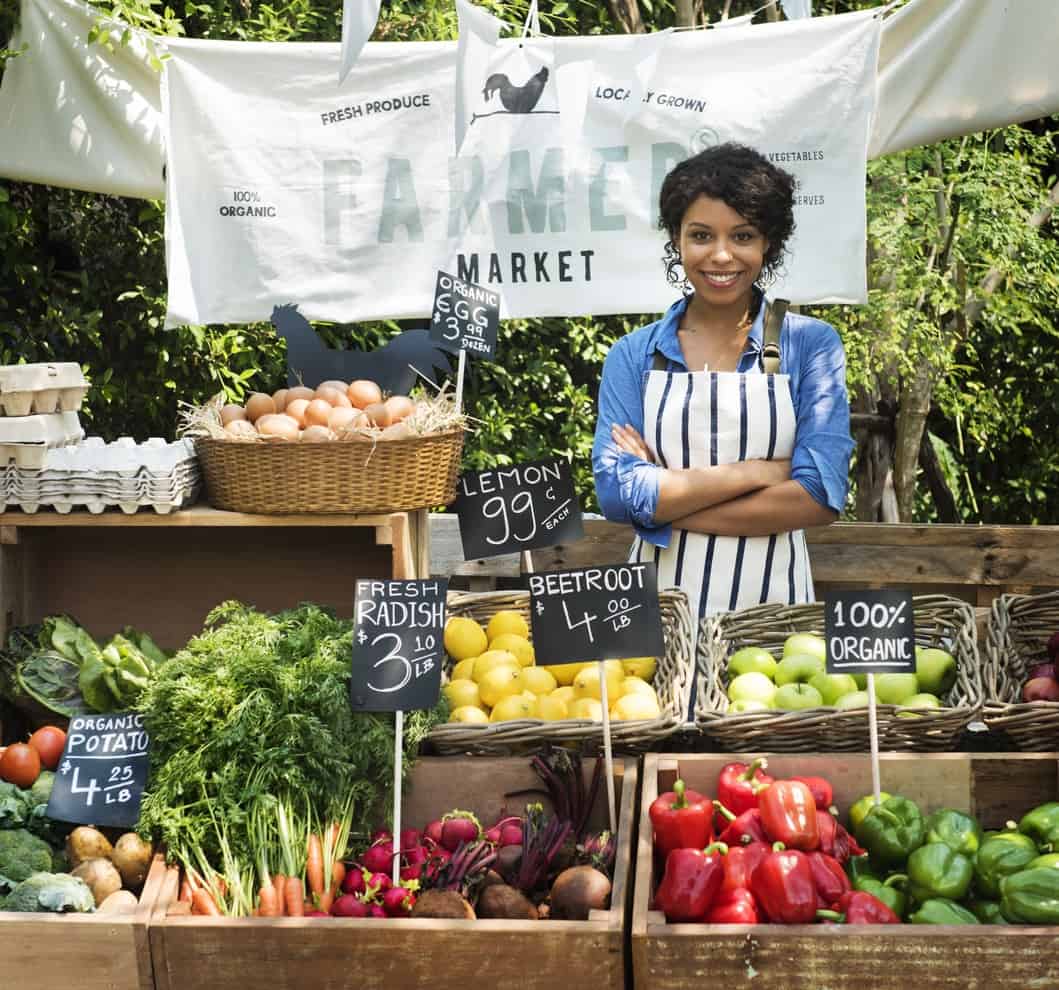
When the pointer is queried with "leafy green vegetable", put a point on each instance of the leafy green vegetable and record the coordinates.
(46, 891)
(256, 709)
(92, 681)
(62, 634)
(147, 646)
(15, 806)
(53, 681)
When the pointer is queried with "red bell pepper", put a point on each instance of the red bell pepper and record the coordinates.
(834, 839)
(690, 883)
(788, 813)
(740, 862)
(739, 785)
(858, 907)
(741, 829)
(784, 887)
(681, 819)
(831, 880)
(822, 791)
(734, 907)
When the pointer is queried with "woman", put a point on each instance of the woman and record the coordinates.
(718, 465)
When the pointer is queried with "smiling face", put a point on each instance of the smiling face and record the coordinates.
(722, 252)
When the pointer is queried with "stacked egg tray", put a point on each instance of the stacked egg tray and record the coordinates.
(95, 475)
(40, 389)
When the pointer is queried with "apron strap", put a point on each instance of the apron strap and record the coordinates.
(775, 311)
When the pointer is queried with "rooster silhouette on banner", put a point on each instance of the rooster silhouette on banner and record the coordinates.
(516, 99)
(392, 367)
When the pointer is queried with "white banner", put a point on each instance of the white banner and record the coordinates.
(348, 201)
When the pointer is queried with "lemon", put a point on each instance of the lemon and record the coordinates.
(513, 706)
(564, 673)
(464, 669)
(519, 645)
(491, 659)
(635, 706)
(461, 692)
(468, 713)
(507, 621)
(633, 685)
(464, 638)
(538, 680)
(642, 667)
(565, 693)
(586, 708)
(586, 683)
(531, 699)
(500, 682)
(552, 709)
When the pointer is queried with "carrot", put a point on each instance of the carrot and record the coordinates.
(202, 902)
(185, 890)
(314, 865)
(294, 895)
(338, 874)
(279, 883)
(268, 902)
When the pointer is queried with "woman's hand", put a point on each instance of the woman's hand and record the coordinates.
(628, 440)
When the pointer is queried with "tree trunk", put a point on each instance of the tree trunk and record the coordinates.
(911, 422)
(772, 11)
(685, 13)
(874, 458)
(627, 14)
(944, 500)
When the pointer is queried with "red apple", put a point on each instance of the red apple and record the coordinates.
(1041, 689)
(1053, 645)
(1041, 670)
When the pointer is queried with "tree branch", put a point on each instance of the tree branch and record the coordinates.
(627, 14)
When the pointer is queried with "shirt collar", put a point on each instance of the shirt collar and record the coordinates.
(668, 345)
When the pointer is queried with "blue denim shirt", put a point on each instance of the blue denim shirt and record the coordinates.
(811, 354)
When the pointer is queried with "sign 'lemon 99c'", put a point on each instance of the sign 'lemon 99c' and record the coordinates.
(513, 706)
(564, 673)
(459, 693)
(521, 647)
(464, 638)
(507, 621)
(642, 667)
(538, 680)
(490, 660)
(500, 682)
(470, 714)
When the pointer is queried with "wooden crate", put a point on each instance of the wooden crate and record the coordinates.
(995, 787)
(197, 953)
(87, 951)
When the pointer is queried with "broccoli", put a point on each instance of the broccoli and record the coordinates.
(16, 805)
(50, 892)
(40, 792)
(21, 854)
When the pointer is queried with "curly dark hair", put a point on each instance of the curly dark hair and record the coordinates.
(746, 181)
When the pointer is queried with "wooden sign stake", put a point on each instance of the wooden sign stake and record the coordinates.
(460, 369)
(607, 756)
(398, 753)
(873, 732)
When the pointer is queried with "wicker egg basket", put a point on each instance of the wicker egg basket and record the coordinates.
(281, 477)
(672, 684)
(1019, 628)
(940, 621)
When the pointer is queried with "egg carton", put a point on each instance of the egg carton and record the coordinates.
(96, 504)
(26, 440)
(26, 389)
(124, 456)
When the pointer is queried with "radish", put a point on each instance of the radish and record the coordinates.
(377, 883)
(381, 833)
(354, 881)
(492, 835)
(409, 838)
(398, 902)
(438, 858)
(348, 906)
(433, 831)
(376, 911)
(459, 827)
(379, 856)
(511, 834)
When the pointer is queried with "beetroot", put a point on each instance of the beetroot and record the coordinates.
(458, 828)
(354, 880)
(376, 911)
(348, 906)
(433, 831)
(492, 835)
(381, 833)
(511, 834)
(1042, 670)
(379, 856)
(398, 902)
(1053, 645)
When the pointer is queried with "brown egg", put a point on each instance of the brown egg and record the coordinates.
(232, 412)
(335, 384)
(400, 406)
(316, 434)
(300, 392)
(344, 419)
(317, 412)
(279, 426)
(398, 431)
(363, 393)
(259, 405)
(296, 409)
(241, 428)
(379, 414)
(333, 397)
(280, 399)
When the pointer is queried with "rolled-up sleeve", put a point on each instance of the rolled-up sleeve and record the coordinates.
(626, 485)
(822, 443)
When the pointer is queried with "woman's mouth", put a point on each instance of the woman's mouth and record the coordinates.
(721, 280)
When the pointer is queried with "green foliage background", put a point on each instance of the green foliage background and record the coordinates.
(82, 278)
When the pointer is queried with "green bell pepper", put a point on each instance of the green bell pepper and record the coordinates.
(1000, 856)
(888, 891)
(862, 806)
(892, 831)
(1042, 825)
(936, 870)
(859, 866)
(941, 911)
(1031, 897)
(958, 831)
(1048, 861)
(988, 912)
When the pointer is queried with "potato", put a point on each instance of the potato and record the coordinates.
(85, 843)
(502, 901)
(102, 877)
(443, 904)
(132, 857)
(120, 902)
(577, 891)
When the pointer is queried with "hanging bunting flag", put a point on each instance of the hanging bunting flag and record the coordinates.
(795, 9)
(358, 24)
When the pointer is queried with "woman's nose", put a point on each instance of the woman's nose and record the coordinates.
(721, 250)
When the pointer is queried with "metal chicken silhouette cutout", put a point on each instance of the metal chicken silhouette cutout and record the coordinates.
(393, 367)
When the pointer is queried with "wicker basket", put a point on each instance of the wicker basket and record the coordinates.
(335, 476)
(672, 683)
(1019, 626)
(939, 621)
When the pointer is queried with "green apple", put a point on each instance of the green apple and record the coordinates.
(749, 659)
(862, 681)
(935, 670)
(858, 699)
(792, 697)
(754, 686)
(805, 643)
(893, 689)
(748, 705)
(833, 686)
(797, 668)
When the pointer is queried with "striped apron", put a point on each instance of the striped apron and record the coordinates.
(704, 418)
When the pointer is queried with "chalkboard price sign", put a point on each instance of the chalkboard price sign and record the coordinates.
(397, 645)
(596, 613)
(521, 507)
(103, 771)
(870, 632)
(465, 317)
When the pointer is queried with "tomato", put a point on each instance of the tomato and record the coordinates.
(48, 741)
(20, 765)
